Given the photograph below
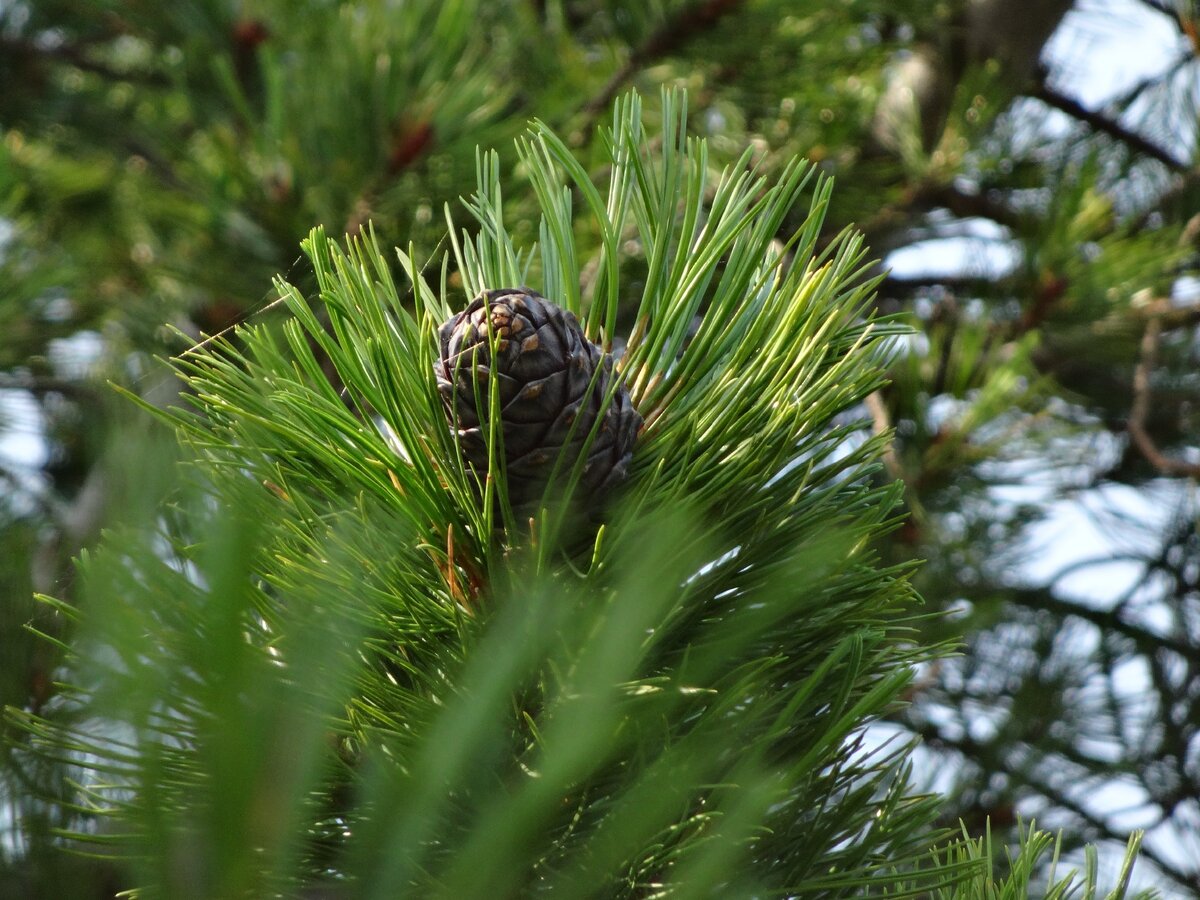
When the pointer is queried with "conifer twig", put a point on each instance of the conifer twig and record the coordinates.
(1141, 407)
(76, 55)
(669, 37)
(881, 424)
(1112, 128)
(1169, 196)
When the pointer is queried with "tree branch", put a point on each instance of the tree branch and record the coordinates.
(1102, 123)
(922, 197)
(1141, 408)
(1186, 26)
(1059, 798)
(76, 56)
(1158, 6)
(46, 384)
(986, 757)
(1107, 620)
(1126, 99)
(1176, 192)
(881, 424)
(669, 37)
(963, 285)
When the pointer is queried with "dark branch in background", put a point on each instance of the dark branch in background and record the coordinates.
(1185, 23)
(980, 205)
(1110, 620)
(158, 164)
(987, 757)
(44, 384)
(1183, 185)
(1158, 6)
(1141, 408)
(963, 204)
(1123, 101)
(1102, 123)
(76, 56)
(1177, 317)
(410, 141)
(881, 424)
(961, 286)
(669, 37)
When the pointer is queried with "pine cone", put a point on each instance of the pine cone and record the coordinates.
(548, 401)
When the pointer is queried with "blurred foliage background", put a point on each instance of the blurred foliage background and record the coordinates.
(160, 163)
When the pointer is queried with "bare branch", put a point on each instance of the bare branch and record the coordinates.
(992, 759)
(922, 197)
(1159, 6)
(46, 384)
(1141, 407)
(881, 423)
(1112, 128)
(1173, 194)
(961, 285)
(1140, 87)
(77, 56)
(669, 37)
(1108, 620)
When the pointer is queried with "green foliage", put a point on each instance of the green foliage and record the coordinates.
(159, 163)
(680, 713)
(1021, 876)
(326, 664)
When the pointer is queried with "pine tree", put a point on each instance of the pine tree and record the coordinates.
(159, 164)
(331, 667)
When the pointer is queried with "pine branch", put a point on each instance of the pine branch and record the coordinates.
(1141, 407)
(656, 706)
(1182, 20)
(1107, 620)
(78, 57)
(1184, 184)
(44, 384)
(991, 760)
(932, 195)
(1102, 123)
(669, 38)
(965, 286)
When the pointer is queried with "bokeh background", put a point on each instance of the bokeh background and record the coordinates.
(1026, 171)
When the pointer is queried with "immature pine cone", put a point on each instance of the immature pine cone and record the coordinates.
(545, 365)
